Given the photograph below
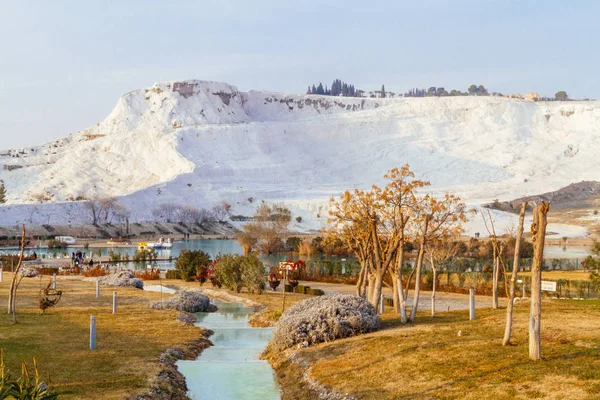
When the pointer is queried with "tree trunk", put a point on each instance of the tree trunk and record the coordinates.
(371, 287)
(513, 282)
(12, 295)
(495, 281)
(538, 231)
(359, 284)
(434, 287)
(378, 288)
(413, 311)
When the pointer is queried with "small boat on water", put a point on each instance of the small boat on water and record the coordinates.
(161, 244)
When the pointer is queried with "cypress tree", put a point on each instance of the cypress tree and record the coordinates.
(2, 193)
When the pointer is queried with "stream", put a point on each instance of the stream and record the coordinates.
(231, 369)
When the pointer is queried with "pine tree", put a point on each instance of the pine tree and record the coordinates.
(314, 90)
(320, 89)
(382, 91)
(309, 91)
(2, 193)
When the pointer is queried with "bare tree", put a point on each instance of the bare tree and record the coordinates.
(269, 225)
(513, 282)
(221, 211)
(440, 251)
(538, 233)
(16, 280)
(166, 212)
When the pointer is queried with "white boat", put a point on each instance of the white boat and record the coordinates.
(161, 244)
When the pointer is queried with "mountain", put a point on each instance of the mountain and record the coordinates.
(197, 143)
(576, 195)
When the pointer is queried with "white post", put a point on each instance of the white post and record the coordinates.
(471, 304)
(92, 333)
(382, 304)
(524, 290)
(97, 289)
(1, 275)
(114, 302)
(54, 281)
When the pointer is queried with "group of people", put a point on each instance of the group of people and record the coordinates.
(78, 257)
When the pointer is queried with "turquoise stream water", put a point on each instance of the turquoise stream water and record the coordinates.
(231, 369)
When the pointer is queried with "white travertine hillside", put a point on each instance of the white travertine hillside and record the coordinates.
(196, 142)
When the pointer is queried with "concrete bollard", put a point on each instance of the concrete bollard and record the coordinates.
(382, 304)
(97, 289)
(54, 281)
(114, 302)
(92, 333)
(471, 304)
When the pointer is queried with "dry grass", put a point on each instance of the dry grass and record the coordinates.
(429, 360)
(556, 275)
(129, 342)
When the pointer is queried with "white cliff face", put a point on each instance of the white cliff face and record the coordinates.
(195, 142)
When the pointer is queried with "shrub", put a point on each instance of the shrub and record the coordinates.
(151, 275)
(187, 300)
(28, 386)
(228, 272)
(145, 254)
(323, 319)
(56, 244)
(235, 272)
(172, 274)
(253, 274)
(189, 263)
(95, 271)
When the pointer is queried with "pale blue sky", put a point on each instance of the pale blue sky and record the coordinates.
(63, 64)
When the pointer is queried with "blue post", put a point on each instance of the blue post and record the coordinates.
(92, 333)
(97, 289)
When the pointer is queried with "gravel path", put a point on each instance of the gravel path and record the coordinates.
(444, 301)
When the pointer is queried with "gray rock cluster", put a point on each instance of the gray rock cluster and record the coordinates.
(191, 301)
(122, 278)
(29, 272)
(323, 319)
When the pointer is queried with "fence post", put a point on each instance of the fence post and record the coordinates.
(471, 304)
(92, 333)
(114, 311)
(382, 304)
(54, 281)
(97, 289)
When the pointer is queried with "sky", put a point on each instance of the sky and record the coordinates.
(64, 64)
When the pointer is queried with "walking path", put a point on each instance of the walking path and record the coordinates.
(443, 301)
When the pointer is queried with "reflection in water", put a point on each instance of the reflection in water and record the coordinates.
(231, 369)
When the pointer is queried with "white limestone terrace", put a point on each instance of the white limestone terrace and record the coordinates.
(197, 142)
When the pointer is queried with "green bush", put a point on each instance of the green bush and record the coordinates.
(315, 292)
(27, 386)
(235, 272)
(172, 274)
(56, 244)
(253, 274)
(189, 263)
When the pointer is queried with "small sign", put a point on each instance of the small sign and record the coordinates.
(549, 286)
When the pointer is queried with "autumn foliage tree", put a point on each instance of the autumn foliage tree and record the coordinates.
(377, 224)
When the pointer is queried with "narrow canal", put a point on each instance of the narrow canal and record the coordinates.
(231, 369)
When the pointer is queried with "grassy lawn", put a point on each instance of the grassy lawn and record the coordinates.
(556, 275)
(128, 343)
(430, 360)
